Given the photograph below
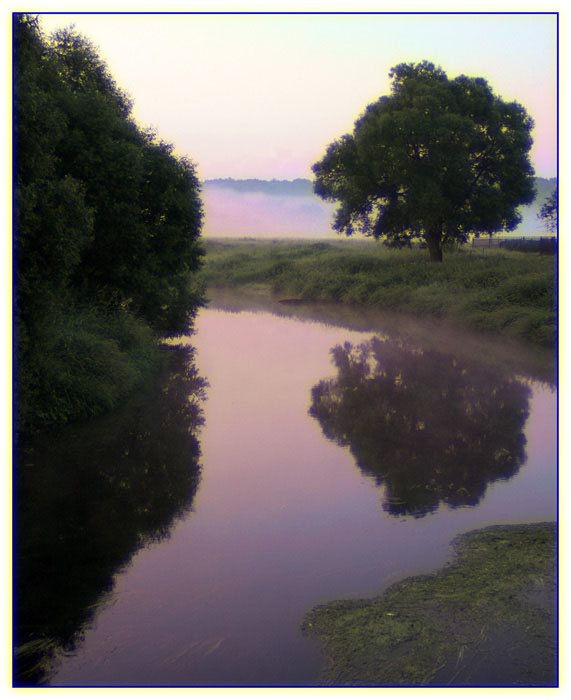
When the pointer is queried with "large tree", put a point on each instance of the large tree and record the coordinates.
(436, 160)
(107, 232)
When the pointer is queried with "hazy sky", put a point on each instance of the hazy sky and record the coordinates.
(262, 95)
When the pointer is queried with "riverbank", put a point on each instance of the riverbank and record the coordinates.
(497, 291)
(487, 618)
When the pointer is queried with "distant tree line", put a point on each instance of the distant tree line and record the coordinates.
(544, 186)
(299, 186)
(107, 226)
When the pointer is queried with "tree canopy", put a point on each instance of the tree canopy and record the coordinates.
(107, 226)
(436, 160)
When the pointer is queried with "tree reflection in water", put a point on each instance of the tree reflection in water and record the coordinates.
(88, 497)
(429, 427)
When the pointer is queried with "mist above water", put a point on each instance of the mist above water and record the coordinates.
(258, 214)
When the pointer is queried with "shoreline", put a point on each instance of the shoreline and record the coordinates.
(537, 361)
(495, 292)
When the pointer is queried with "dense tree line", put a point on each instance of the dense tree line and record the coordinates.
(107, 226)
(297, 187)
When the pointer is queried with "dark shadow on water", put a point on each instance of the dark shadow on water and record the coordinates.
(87, 498)
(430, 428)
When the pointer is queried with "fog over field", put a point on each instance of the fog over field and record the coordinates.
(265, 209)
(290, 209)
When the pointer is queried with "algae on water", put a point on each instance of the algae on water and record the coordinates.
(486, 619)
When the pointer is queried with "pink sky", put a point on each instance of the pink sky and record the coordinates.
(263, 95)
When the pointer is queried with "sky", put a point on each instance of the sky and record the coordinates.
(262, 95)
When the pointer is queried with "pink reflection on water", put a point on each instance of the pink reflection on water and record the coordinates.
(283, 520)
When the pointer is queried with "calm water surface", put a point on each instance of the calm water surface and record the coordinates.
(302, 500)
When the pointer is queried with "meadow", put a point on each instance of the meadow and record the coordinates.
(492, 290)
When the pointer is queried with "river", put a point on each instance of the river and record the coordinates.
(332, 458)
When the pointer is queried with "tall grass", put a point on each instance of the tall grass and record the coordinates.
(82, 362)
(491, 290)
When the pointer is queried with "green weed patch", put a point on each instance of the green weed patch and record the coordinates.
(488, 618)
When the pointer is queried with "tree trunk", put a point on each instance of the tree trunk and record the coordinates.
(433, 241)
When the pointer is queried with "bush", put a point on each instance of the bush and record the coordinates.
(83, 365)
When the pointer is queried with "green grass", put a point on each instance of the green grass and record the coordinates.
(489, 617)
(489, 290)
(83, 363)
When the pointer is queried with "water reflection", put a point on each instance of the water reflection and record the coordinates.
(429, 427)
(88, 498)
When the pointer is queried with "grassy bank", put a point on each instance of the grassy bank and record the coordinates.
(486, 619)
(491, 290)
(84, 362)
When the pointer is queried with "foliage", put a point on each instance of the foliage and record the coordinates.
(107, 226)
(487, 619)
(549, 212)
(493, 290)
(437, 160)
(87, 362)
